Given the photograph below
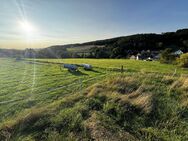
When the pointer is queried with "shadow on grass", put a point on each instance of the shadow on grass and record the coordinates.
(95, 71)
(77, 73)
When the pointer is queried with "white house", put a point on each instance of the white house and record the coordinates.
(178, 52)
(139, 56)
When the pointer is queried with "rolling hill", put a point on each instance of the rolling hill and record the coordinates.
(119, 47)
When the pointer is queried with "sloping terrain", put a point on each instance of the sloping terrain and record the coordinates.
(129, 106)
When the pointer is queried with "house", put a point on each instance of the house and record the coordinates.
(149, 59)
(133, 57)
(156, 57)
(178, 52)
(139, 57)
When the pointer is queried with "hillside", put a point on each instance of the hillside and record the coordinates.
(11, 52)
(120, 47)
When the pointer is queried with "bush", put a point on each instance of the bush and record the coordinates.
(167, 56)
(183, 60)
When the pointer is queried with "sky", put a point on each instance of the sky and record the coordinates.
(42, 23)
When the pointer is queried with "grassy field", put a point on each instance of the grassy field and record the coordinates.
(41, 101)
(134, 65)
(27, 84)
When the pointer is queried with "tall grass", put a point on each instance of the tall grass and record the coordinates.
(135, 105)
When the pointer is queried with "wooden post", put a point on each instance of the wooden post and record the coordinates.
(80, 81)
(122, 69)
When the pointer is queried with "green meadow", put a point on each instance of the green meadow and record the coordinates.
(40, 100)
(27, 84)
(134, 65)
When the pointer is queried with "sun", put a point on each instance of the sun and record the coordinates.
(27, 28)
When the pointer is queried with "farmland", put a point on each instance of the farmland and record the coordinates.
(39, 100)
(27, 84)
(138, 66)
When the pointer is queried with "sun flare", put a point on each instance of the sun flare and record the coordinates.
(27, 27)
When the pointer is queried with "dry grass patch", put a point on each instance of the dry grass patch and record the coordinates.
(100, 132)
(185, 84)
(124, 90)
(144, 102)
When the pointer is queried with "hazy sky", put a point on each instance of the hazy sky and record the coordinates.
(51, 22)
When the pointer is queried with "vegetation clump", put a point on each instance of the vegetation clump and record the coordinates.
(183, 60)
(167, 56)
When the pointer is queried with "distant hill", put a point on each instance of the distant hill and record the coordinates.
(11, 52)
(120, 47)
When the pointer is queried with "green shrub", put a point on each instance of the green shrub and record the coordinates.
(183, 60)
(167, 56)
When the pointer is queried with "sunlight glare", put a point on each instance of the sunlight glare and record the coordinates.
(27, 27)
